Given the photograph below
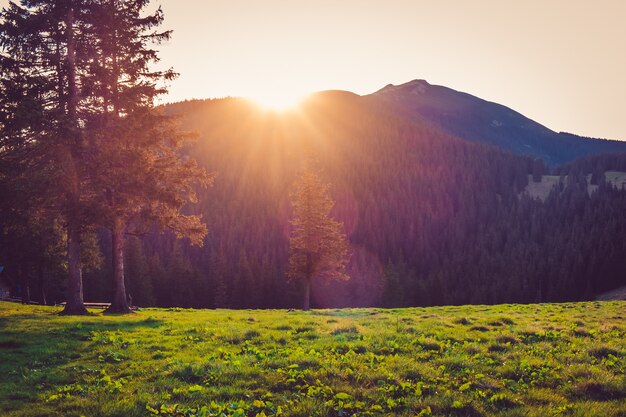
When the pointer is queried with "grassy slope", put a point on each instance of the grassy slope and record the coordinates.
(542, 189)
(618, 178)
(509, 360)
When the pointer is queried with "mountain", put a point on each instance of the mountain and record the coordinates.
(431, 218)
(475, 119)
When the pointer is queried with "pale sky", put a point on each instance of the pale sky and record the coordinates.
(559, 62)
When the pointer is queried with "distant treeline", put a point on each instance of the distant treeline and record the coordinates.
(431, 219)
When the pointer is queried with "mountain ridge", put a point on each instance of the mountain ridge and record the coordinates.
(473, 118)
(466, 117)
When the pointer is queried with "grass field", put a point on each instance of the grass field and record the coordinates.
(508, 360)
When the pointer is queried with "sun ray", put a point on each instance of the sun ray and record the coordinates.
(279, 101)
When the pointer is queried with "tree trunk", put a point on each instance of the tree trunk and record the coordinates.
(307, 294)
(72, 98)
(119, 304)
(23, 277)
(40, 276)
(74, 303)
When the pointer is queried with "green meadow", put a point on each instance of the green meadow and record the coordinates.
(506, 360)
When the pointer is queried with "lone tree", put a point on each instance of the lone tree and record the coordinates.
(318, 247)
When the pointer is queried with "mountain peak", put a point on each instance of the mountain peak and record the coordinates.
(472, 118)
(414, 87)
(415, 82)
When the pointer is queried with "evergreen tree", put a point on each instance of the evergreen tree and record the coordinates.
(41, 61)
(78, 101)
(134, 150)
(318, 246)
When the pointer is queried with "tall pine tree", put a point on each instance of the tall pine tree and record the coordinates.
(41, 61)
(78, 93)
(138, 173)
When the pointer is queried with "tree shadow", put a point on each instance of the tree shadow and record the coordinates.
(37, 348)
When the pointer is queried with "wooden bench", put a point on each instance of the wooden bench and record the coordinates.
(95, 305)
(89, 305)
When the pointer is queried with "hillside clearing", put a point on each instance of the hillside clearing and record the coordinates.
(542, 189)
(617, 178)
(506, 360)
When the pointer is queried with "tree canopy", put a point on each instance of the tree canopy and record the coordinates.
(77, 113)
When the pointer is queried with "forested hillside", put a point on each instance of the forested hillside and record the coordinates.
(431, 219)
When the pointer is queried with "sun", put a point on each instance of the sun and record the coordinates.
(279, 101)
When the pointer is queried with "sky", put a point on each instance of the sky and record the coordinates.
(559, 62)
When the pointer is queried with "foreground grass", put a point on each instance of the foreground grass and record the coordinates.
(509, 360)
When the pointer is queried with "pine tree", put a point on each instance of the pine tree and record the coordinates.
(134, 150)
(318, 247)
(78, 99)
(41, 61)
